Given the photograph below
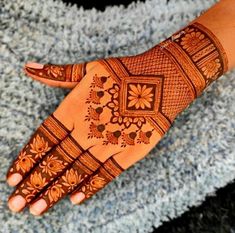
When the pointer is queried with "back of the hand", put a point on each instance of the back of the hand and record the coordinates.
(117, 112)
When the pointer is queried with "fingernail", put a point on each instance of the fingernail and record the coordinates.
(16, 203)
(34, 65)
(38, 207)
(77, 198)
(14, 179)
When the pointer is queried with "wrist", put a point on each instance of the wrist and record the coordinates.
(198, 54)
(220, 20)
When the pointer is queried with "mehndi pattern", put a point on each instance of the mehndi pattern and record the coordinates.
(64, 73)
(84, 166)
(100, 178)
(50, 133)
(146, 92)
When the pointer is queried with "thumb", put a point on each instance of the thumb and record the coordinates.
(65, 76)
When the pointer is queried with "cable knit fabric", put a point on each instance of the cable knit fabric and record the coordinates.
(196, 157)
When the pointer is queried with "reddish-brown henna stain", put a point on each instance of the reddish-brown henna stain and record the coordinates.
(99, 179)
(50, 133)
(155, 86)
(64, 73)
(84, 166)
(147, 89)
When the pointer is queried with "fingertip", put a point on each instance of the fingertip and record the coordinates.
(77, 198)
(38, 207)
(14, 179)
(16, 203)
(34, 65)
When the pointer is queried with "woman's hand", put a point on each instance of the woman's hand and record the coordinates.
(117, 113)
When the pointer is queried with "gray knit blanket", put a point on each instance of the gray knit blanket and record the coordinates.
(196, 157)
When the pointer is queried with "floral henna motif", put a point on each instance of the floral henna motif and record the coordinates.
(84, 166)
(24, 162)
(98, 81)
(71, 179)
(39, 147)
(35, 184)
(144, 137)
(55, 192)
(105, 174)
(94, 113)
(203, 49)
(191, 39)
(96, 130)
(146, 92)
(126, 109)
(211, 69)
(95, 183)
(65, 73)
(50, 133)
(95, 97)
(140, 96)
(52, 166)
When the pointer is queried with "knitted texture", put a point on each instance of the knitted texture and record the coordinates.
(196, 156)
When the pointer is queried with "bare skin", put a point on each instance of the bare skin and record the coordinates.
(117, 112)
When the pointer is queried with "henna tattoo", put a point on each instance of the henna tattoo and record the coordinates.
(50, 133)
(140, 95)
(65, 73)
(199, 49)
(105, 174)
(146, 92)
(129, 101)
(84, 166)
(51, 166)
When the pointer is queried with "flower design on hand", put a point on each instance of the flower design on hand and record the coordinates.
(96, 182)
(36, 181)
(140, 96)
(52, 165)
(25, 162)
(71, 179)
(211, 68)
(55, 71)
(39, 147)
(55, 192)
(192, 39)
